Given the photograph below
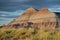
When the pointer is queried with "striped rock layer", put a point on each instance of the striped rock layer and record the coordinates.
(35, 18)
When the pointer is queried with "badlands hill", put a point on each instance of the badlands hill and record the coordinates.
(42, 18)
(24, 17)
(43, 15)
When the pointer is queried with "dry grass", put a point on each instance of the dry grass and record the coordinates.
(29, 34)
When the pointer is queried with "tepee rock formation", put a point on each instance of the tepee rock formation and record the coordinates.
(43, 15)
(24, 17)
(33, 18)
(44, 18)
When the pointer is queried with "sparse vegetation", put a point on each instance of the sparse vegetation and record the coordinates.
(29, 34)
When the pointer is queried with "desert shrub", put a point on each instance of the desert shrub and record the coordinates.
(29, 34)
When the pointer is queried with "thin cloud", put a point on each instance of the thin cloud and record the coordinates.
(19, 0)
(3, 15)
(14, 5)
(55, 8)
(1, 20)
(9, 16)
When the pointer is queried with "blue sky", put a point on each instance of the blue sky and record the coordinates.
(10, 9)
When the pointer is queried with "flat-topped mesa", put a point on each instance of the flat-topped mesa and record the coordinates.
(25, 16)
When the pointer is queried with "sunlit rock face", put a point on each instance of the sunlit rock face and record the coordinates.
(35, 18)
(44, 18)
(43, 15)
(25, 16)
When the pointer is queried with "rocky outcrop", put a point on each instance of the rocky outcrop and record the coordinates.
(24, 17)
(4, 26)
(43, 15)
(44, 18)
(34, 18)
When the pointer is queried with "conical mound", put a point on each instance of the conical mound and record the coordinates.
(43, 15)
(25, 16)
(33, 18)
(44, 10)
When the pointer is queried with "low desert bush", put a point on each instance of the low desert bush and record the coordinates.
(29, 34)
